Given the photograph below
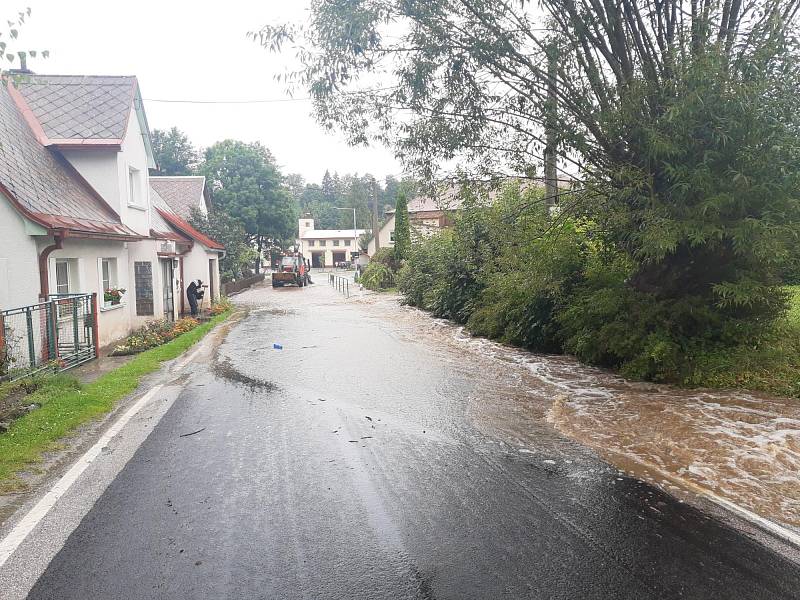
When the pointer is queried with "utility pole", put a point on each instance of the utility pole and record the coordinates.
(551, 137)
(375, 231)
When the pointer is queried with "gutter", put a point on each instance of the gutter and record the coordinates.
(44, 275)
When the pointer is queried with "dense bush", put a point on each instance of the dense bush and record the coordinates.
(556, 285)
(380, 272)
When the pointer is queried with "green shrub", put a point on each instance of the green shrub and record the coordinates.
(377, 276)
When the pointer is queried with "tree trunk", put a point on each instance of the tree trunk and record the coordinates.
(375, 225)
(258, 258)
(550, 160)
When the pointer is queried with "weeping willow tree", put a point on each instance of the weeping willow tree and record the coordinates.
(678, 119)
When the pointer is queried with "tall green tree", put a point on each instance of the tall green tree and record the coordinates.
(402, 229)
(246, 183)
(680, 119)
(329, 190)
(174, 153)
(219, 225)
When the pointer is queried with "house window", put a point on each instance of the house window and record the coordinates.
(391, 235)
(311, 242)
(62, 277)
(109, 269)
(134, 187)
(322, 242)
(143, 277)
(335, 242)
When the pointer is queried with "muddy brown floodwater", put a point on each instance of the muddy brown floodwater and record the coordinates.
(742, 447)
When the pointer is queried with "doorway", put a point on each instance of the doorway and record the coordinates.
(212, 272)
(168, 288)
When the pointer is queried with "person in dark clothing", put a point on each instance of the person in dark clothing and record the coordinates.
(193, 293)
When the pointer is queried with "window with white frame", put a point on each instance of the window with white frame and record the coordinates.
(135, 187)
(62, 276)
(322, 242)
(335, 242)
(311, 242)
(109, 273)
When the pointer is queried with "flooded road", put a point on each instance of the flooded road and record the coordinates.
(381, 454)
(741, 447)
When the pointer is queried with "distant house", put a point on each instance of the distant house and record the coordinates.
(198, 255)
(327, 247)
(76, 214)
(426, 216)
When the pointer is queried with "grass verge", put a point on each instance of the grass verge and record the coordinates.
(65, 404)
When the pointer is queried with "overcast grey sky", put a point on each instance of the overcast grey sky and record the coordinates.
(195, 51)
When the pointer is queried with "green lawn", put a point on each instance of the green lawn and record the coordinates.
(772, 366)
(66, 404)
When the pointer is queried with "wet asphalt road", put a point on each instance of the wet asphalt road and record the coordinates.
(352, 464)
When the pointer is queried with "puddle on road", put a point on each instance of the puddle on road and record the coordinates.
(223, 368)
(745, 448)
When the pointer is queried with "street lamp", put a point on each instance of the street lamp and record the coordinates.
(355, 231)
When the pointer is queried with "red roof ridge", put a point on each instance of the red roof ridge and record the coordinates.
(187, 229)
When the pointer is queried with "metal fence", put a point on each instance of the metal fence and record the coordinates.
(58, 334)
(340, 283)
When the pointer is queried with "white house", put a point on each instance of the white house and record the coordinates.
(75, 205)
(327, 247)
(426, 215)
(198, 255)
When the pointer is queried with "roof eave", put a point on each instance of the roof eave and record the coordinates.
(67, 232)
(84, 144)
(141, 116)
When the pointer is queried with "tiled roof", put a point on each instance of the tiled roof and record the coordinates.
(43, 185)
(327, 234)
(159, 227)
(75, 108)
(447, 199)
(181, 193)
(186, 229)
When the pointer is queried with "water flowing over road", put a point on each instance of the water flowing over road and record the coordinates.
(384, 454)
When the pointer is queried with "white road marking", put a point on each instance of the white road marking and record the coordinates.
(187, 359)
(38, 512)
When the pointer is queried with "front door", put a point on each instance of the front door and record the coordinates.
(168, 289)
(212, 270)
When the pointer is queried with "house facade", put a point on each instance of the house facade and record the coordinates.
(426, 216)
(196, 256)
(76, 213)
(327, 247)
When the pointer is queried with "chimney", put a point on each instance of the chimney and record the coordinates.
(23, 65)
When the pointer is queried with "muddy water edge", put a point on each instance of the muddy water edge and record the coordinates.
(744, 448)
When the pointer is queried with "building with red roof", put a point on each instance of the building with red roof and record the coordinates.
(77, 211)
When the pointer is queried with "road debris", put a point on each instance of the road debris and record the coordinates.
(192, 433)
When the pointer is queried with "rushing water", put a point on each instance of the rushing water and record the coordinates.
(742, 447)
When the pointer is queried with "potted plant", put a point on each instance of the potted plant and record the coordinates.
(113, 296)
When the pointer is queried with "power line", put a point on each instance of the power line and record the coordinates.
(261, 101)
(266, 100)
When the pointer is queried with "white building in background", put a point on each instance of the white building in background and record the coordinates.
(76, 215)
(327, 247)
